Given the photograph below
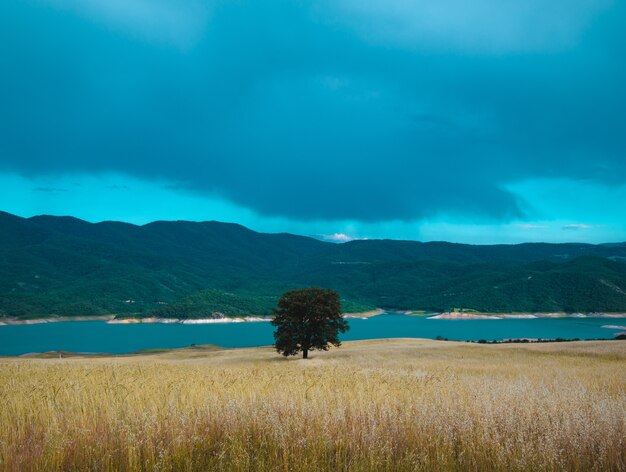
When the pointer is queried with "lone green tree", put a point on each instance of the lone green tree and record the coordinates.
(308, 319)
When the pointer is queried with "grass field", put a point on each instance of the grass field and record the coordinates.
(371, 405)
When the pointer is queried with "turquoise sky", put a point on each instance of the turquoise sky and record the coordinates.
(562, 210)
(435, 120)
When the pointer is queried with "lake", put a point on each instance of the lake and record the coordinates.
(98, 336)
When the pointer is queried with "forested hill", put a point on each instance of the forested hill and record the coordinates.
(66, 266)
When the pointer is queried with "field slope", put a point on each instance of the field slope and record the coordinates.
(370, 405)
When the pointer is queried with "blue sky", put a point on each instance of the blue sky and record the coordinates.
(431, 120)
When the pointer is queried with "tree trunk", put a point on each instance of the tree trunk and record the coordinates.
(305, 354)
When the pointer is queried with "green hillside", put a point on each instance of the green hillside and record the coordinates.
(68, 267)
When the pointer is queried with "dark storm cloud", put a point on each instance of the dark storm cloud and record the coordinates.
(334, 110)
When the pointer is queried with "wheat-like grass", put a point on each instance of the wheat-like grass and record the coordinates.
(368, 406)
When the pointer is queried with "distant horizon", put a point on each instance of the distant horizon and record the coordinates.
(320, 237)
(119, 197)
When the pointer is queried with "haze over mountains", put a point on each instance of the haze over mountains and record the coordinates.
(68, 267)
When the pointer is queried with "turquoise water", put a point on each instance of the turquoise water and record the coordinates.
(97, 336)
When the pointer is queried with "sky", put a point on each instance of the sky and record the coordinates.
(480, 122)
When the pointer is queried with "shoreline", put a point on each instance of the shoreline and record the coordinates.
(54, 319)
(454, 315)
(111, 319)
(226, 319)
(363, 315)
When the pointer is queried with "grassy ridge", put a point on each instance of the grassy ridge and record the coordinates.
(375, 405)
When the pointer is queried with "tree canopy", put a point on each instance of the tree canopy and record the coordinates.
(308, 319)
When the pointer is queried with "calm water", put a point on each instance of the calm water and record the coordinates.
(96, 336)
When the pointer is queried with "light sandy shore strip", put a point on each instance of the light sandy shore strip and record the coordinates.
(228, 319)
(54, 319)
(456, 315)
(239, 319)
(111, 319)
(364, 314)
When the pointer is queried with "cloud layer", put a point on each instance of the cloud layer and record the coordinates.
(368, 111)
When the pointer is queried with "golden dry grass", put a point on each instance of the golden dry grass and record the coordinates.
(376, 405)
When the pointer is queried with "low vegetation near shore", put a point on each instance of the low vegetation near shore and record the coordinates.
(371, 405)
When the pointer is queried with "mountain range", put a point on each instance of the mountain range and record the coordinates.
(64, 266)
